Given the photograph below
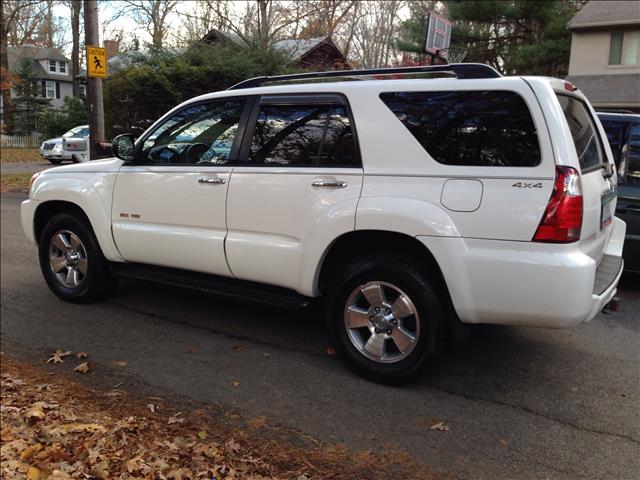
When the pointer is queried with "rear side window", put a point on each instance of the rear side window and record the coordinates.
(303, 135)
(583, 131)
(472, 128)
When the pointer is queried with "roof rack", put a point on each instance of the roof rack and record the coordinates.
(461, 71)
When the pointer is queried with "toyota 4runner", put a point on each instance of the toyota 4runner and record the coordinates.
(410, 205)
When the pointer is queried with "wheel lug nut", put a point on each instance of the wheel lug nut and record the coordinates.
(371, 319)
(394, 321)
(377, 330)
(376, 309)
(388, 311)
(389, 332)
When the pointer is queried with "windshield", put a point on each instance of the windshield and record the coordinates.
(77, 132)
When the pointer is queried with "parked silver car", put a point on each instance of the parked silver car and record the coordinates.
(52, 149)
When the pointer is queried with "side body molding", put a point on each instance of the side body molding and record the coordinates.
(92, 192)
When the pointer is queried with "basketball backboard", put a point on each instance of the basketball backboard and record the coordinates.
(438, 35)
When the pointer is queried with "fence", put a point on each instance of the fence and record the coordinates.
(20, 141)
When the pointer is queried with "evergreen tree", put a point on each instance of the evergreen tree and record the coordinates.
(516, 37)
(53, 123)
(29, 101)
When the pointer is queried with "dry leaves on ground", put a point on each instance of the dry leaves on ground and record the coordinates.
(55, 428)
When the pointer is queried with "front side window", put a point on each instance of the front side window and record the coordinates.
(303, 135)
(51, 89)
(471, 128)
(583, 132)
(200, 134)
(52, 65)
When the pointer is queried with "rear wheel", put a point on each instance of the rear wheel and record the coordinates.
(71, 260)
(384, 318)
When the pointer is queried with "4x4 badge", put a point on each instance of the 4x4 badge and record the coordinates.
(527, 185)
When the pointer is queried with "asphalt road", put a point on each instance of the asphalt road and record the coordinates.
(520, 403)
(26, 167)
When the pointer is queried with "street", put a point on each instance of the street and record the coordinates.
(519, 402)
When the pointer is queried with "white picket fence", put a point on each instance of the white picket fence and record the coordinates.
(20, 141)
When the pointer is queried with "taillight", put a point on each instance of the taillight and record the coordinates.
(562, 220)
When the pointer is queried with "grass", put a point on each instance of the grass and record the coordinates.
(20, 155)
(15, 182)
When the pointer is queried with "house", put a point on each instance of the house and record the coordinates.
(52, 68)
(318, 53)
(605, 54)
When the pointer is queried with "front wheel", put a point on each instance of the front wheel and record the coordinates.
(55, 161)
(384, 318)
(71, 260)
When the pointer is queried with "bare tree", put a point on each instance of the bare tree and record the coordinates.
(151, 15)
(202, 20)
(374, 34)
(75, 6)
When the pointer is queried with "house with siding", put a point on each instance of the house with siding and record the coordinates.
(52, 68)
(605, 54)
(312, 53)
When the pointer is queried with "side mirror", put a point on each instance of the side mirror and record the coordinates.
(123, 147)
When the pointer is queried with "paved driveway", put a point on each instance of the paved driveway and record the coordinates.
(26, 167)
(520, 403)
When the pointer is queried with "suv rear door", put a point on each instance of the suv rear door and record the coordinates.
(295, 190)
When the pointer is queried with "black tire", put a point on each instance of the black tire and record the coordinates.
(96, 282)
(400, 272)
(55, 161)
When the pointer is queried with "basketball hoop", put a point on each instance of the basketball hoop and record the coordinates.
(454, 54)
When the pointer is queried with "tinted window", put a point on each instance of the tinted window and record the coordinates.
(615, 135)
(633, 158)
(303, 135)
(584, 135)
(201, 134)
(475, 128)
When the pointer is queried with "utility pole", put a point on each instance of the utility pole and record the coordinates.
(94, 85)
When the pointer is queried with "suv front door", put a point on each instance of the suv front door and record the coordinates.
(169, 205)
(295, 190)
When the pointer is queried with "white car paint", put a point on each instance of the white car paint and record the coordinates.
(271, 225)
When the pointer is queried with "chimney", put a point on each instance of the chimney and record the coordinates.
(111, 48)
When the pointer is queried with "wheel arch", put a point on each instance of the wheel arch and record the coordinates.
(370, 241)
(49, 208)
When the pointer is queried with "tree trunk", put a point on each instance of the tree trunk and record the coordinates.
(7, 106)
(76, 6)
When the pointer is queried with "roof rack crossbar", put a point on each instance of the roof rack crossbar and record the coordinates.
(461, 71)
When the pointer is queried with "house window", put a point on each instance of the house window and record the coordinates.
(624, 48)
(52, 65)
(51, 90)
(62, 66)
(83, 89)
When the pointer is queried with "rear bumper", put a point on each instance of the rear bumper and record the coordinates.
(526, 283)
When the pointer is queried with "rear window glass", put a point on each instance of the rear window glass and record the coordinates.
(583, 131)
(473, 128)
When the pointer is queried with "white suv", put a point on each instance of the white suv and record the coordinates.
(409, 205)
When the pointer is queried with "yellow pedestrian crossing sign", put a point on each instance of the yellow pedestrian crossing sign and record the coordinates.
(96, 62)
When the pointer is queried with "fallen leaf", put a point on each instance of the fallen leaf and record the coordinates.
(82, 355)
(82, 368)
(202, 435)
(233, 446)
(439, 426)
(235, 383)
(503, 442)
(28, 452)
(192, 349)
(36, 411)
(120, 363)
(34, 473)
(238, 348)
(175, 419)
(331, 352)
(58, 355)
(76, 428)
(151, 407)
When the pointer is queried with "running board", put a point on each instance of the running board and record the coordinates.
(227, 287)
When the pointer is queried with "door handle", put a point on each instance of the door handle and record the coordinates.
(329, 183)
(212, 180)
